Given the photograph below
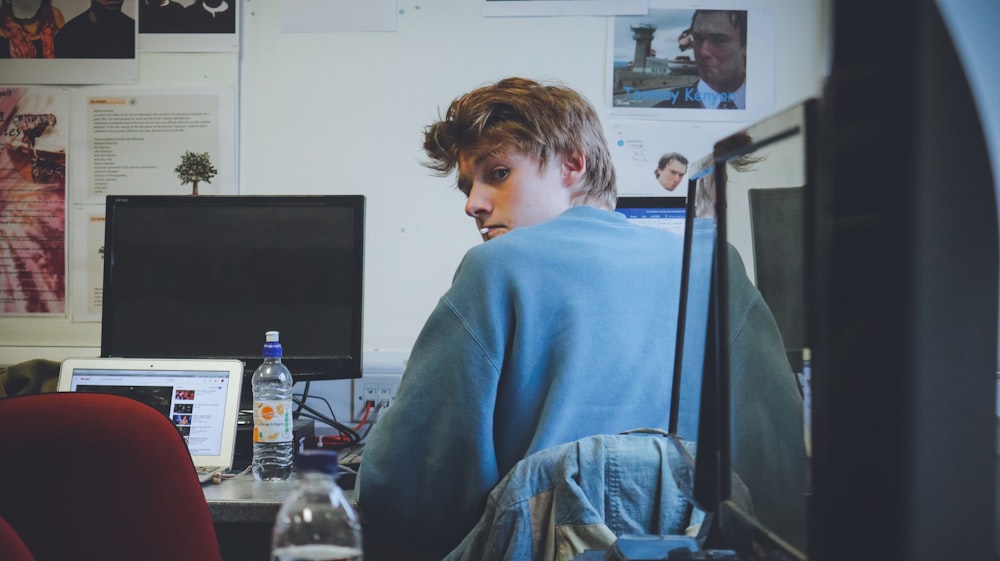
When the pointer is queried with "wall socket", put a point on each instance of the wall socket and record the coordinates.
(378, 388)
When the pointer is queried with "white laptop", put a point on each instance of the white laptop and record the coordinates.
(201, 397)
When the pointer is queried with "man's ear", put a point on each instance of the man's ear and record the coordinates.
(573, 167)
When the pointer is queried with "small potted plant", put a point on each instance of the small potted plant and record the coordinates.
(195, 167)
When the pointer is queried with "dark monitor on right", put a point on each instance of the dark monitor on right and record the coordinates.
(754, 455)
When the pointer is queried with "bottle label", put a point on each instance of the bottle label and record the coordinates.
(272, 421)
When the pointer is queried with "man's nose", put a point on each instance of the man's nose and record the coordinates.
(478, 203)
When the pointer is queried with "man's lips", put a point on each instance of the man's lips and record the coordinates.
(490, 232)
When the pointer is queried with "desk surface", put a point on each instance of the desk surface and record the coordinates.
(244, 499)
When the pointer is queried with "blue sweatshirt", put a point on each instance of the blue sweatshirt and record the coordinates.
(548, 333)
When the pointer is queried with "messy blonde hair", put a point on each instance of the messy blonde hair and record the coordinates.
(543, 121)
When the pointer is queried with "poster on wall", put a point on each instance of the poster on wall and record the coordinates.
(129, 141)
(656, 158)
(68, 42)
(564, 7)
(189, 25)
(140, 141)
(34, 123)
(706, 63)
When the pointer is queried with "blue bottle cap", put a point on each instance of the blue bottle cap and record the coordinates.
(316, 460)
(272, 347)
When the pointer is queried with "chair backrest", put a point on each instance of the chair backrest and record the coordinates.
(11, 546)
(94, 476)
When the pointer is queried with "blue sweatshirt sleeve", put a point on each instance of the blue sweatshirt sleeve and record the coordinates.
(429, 461)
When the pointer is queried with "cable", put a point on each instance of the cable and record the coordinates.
(305, 396)
(317, 415)
(222, 476)
(325, 401)
(345, 440)
(371, 424)
(347, 434)
(364, 418)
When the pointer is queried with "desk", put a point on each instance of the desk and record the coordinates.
(246, 500)
(243, 510)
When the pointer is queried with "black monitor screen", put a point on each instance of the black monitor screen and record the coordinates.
(777, 235)
(207, 276)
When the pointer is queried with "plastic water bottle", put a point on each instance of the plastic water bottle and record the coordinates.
(316, 521)
(273, 447)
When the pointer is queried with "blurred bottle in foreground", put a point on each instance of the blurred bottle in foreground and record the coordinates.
(316, 521)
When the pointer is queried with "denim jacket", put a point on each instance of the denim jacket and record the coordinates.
(564, 500)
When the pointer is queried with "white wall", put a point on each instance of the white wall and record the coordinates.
(344, 113)
(358, 104)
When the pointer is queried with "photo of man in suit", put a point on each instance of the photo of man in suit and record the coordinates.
(690, 59)
(718, 39)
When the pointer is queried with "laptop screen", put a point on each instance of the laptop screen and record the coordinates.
(666, 213)
(199, 397)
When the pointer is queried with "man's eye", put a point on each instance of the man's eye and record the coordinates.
(712, 38)
(499, 174)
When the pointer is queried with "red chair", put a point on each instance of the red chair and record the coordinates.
(11, 546)
(94, 476)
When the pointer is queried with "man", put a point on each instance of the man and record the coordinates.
(719, 41)
(670, 170)
(562, 326)
(101, 31)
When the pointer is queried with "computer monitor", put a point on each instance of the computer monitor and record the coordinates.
(196, 276)
(666, 213)
(776, 215)
(763, 465)
(692, 335)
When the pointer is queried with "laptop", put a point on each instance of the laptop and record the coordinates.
(666, 213)
(201, 397)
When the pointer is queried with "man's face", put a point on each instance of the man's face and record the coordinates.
(107, 5)
(671, 174)
(25, 9)
(717, 50)
(510, 191)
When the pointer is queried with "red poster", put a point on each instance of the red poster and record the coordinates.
(34, 122)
